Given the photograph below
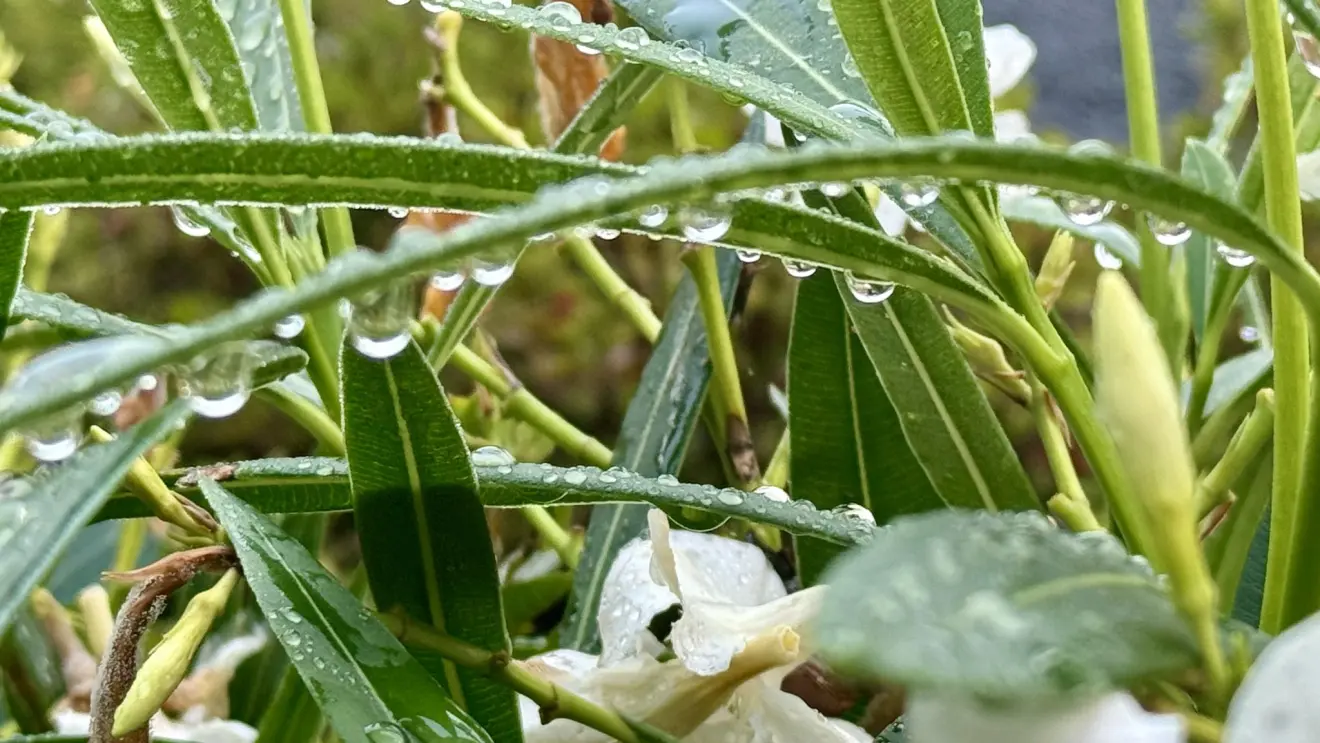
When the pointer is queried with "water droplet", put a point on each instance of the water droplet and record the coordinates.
(447, 281)
(632, 38)
(293, 639)
(491, 456)
(1309, 51)
(398, 212)
(653, 216)
(798, 269)
(51, 211)
(432, 6)
(701, 225)
(918, 194)
(106, 403)
(1105, 259)
(585, 41)
(857, 512)
(288, 328)
(1167, 232)
(747, 255)
(385, 732)
(218, 383)
(850, 66)
(379, 320)
(492, 271)
(187, 225)
(292, 617)
(607, 233)
(560, 15)
(1084, 211)
(575, 477)
(1249, 334)
(730, 498)
(667, 480)
(1234, 257)
(398, 2)
(690, 56)
(867, 291)
(773, 493)
(834, 189)
(316, 661)
(55, 437)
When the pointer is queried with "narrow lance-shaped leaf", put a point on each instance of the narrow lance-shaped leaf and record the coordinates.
(367, 684)
(184, 57)
(656, 429)
(343, 170)
(263, 47)
(848, 446)
(314, 484)
(1205, 167)
(15, 229)
(1000, 607)
(40, 522)
(424, 537)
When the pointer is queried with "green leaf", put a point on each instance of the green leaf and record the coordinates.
(352, 170)
(847, 444)
(1233, 106)
(272, 361)
(367, 684)
(30, 678)
(37, 526)
(1044, 212)
(424, 537)
(1239, 375)
(258, 30)
(652, 441)
(965, 30)
(291, 716)
(903, 53)
(1204, 166)
(793, 43)
(607, 109)
(999, 606)
(15, 228)
(184, 57)
(313, 484)
(944, 414)
(526, 600)
(1238, 568)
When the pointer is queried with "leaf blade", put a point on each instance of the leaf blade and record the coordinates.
(69, 497)
(15, 229)
(424, 537)
(316, 619)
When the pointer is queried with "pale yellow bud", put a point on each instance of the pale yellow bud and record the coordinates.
(1055, 269)
(169, 661)
(986, 357)
(145, 482)
(98, 619)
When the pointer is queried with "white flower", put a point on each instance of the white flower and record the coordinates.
(736, 640)
(1276, 701)
(1113, 718)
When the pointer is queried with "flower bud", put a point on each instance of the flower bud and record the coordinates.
(145, 482)
(1055, 269)
(168, 662)
(986, 357)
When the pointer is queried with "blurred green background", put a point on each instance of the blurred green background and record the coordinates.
(555, 330)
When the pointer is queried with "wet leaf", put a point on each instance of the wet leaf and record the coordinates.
(1204, 167)
(263, 47)
(314, 484)
(847, 444)
(425, 543)
(15, 228)
(39, 524)
(1001, 607)
(366, 683)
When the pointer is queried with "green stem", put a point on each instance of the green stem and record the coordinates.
(633, 305)
(521, 404)
(1144, 133)
(727, 390)
(316, 112)
(680, 117)
(457, 91)
(1243, 450)
(776, 473)
(1207, 354)
(555, 701)
(1071, 503)
(552, 534)
(306, 414)
(1290, 530)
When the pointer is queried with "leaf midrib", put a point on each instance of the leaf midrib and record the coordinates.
(854, 404)
(775, 42)
(1053, 588)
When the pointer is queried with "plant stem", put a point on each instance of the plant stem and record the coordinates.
(680, 117)
(1202, 729)
(1289, 529)
(776, 473)
(316, 112)
(1071, 503)
(1144, 133)
(730, 410)
(555, 701)
(633, 305)
(1243, 450)
(306, 414)
(1203, 375)
(457, 91)
(521, 404)
(552, 534)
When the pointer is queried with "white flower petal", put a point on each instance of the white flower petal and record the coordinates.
(774, 135)
(1308, 175)
(892, 218)
(1010, 53)
(1114, 718)
(1011, 126)
(761, 713)
(856, 732)
(538, 564)
(710, 633)
(628, 602)
(1276, 701)
(704, 567)
(206, 731)
(227, 656)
